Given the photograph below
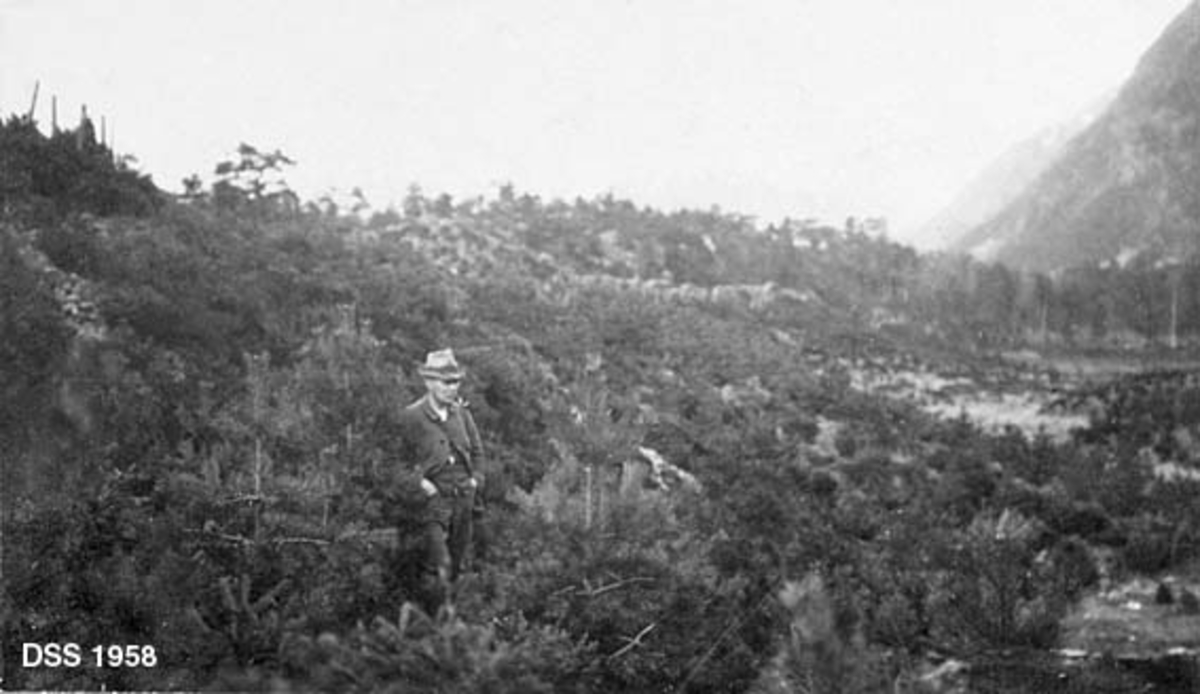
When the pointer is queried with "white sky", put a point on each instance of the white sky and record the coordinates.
(773, 108)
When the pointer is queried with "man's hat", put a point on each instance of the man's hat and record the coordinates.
(440, 364)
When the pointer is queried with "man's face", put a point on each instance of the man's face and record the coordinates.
(443, 390)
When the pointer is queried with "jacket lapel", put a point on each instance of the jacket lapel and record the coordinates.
(453, 427)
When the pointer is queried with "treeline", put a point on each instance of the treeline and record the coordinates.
(855, 270)
(1150, 301)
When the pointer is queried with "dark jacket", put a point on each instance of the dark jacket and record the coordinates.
(426, 444)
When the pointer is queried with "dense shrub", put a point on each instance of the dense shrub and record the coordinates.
(991, 592)
(415, 653)
(34, 337)
(45, 178)
(823, 654)
(103, 571)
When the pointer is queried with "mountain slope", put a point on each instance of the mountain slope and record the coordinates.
(1005, 178)
(1129, 182)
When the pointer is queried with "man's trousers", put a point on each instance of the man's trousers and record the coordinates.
(448, 529)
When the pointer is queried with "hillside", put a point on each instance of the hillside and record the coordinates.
(719, 458)
(1127, 184)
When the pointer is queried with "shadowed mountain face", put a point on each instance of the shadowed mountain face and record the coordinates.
(1127, 184)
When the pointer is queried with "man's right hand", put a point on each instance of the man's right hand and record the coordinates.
(427, 487)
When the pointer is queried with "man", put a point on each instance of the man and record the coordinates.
(440, 446)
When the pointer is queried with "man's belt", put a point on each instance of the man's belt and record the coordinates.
(452, 491)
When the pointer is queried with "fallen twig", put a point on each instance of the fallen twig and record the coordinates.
(243, 540)
(632, 643)
(299, 541)
(588, 591)
(618, 584)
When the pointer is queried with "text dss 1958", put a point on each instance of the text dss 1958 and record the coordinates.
(70, 655)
